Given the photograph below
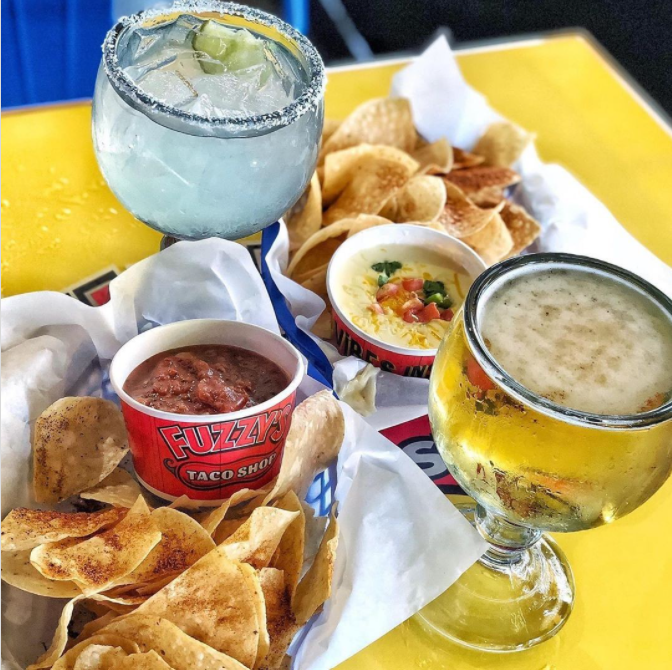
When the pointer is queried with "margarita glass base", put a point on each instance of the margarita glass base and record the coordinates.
(519, 594)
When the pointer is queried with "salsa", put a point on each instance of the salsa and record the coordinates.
(205, 379)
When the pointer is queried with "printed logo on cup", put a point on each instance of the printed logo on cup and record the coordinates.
(350, 343)
(415, 438)
(209, 460)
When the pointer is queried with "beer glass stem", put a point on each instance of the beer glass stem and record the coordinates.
(508, 541)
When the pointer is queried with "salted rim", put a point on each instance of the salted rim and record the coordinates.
(472, 311)
(235, 125)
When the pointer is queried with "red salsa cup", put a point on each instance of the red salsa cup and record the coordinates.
(207, 457)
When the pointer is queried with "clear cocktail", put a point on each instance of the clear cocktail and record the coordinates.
(207, 118)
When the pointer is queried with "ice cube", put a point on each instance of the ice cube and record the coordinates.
(168, 86)
(181, 31)
(141, 43)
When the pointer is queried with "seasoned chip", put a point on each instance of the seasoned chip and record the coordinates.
(227, 528)
(18, 571)
(502, 143)
(59, 640)
(313, 441)
(492, 242)
(99, 657)
(69, 660)
(305, 218)
(421, 199)
(464, 159)
(523, 228)
(92, 627)
(487, 197)
(105, 558)
(183, 542)
(324, 326)
(374, 183)
(77, 443)
(252, 576)
(256, 540)
(460, 217)
(380, 121)
(475, 179)
(282, 625)
(317, 283)
(147, 661)
(118, 489)
(213, 602)
(435, 158)
(179, 650)
(27, 528)
(288, 556)
(214, 518)
(341, 167)
(330, 127)
(315, 588)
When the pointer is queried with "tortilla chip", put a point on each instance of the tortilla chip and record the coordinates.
(435, 158)
(153, 587)
(118, 489)
(59, 640)
(386, 121)
(256, 540)
(329, 128)
(475, 179)
(487, 197)
(179, 650)
(67, 662)
(213, 602)
(18, 571)
(27, 528)
(317, 283)
(252, 577)
(92, 627)
(523, 228)
(464, 159)
(318, 249)
(341, 167)
(324, 326)
(374, 183)
(491, 243)
(288, 556)
(460, 217)
(313, 442)
(315, 588)
(305, 218)
(316, 526)
(502, 143)
(227, 528)
(185, 502)
(77, 443)
(282, 625)
(148, 661)
(103, 559)
(183, 542)
(99, 657)
(421, 199)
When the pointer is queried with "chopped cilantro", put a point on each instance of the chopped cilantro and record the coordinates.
(431, 287)
(382, 280)
(387, 268)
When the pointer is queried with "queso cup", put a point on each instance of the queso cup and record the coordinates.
(352, 340)
(207, 457)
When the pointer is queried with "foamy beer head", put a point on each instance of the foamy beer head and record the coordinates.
(550, 397)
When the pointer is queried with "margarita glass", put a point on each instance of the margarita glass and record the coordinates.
(207, 117)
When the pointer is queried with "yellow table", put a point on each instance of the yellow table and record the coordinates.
(60, 224)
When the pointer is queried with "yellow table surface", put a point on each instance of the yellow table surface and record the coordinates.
(61, 224)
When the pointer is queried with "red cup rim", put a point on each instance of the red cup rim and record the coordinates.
(117, 384)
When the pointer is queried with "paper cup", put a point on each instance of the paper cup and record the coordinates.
(207, 457)
(352, 340)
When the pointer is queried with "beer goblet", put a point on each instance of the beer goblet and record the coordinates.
(534, 465)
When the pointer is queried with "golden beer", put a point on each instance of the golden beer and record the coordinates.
(533, 448)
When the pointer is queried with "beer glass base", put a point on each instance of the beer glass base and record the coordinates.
(513, 598)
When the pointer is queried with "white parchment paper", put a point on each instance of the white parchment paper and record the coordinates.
(401, 541)
(572, 219)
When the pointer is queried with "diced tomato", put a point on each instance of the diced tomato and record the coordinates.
(429, 312)
(414, 304)
(387, 291)
(447, 315)
(375, 308)
(413, 284)
(477, 376)
(410, 316)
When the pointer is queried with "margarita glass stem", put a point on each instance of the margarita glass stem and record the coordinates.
(508, 541)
